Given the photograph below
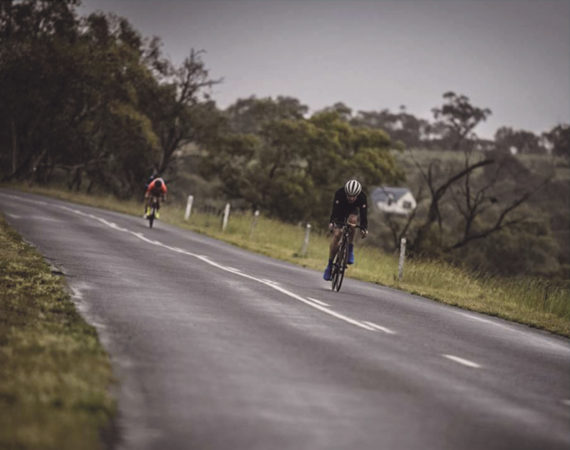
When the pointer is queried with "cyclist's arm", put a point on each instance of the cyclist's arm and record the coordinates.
(336, 210)
(364, 217)
(364, 213)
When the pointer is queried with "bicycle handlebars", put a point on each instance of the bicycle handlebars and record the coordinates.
(342, 224)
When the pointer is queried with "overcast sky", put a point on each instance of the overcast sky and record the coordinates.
(512, 56)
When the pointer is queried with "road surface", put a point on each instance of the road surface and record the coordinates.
(219, 348)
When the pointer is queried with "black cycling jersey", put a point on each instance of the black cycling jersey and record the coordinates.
(341, 209)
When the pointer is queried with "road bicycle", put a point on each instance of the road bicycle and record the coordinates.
(153, 211)
(340, 260)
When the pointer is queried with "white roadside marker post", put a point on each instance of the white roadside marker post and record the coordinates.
(402, 258)
(306, 240)
(253, 223)
(226, 216)
(188, 207)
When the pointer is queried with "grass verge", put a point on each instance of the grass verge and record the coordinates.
(54, 374)
(527, 300)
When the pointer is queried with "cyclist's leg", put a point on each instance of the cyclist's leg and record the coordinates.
(146, 203)
(352, 219)
(333, 248)
(337, 233)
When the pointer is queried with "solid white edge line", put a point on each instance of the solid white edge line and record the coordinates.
(487, 321)
(318, 301)
(463, 361)
(380, 327)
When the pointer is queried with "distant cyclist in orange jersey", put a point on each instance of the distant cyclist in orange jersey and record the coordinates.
(156, 188)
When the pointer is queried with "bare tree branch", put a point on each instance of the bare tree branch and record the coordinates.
(499, 224)
(436, 197)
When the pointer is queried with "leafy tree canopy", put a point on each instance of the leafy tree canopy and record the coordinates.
(292, 166)
(460, 117)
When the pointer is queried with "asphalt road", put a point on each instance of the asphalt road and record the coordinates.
(219, 348)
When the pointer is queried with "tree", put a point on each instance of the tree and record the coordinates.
(459, 117)
(402, 127)
(437, 190)
(517, 141)
(472, 202)
(36, 37)
(559, 140)
(116, 142)
(89, 97)
(343, 111)
(341, 151)
(251, 114)
(526, 248)
(487, 205)
(169, 104)
(291, 167)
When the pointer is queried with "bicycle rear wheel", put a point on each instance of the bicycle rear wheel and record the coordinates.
(334, 276)
(151, 217)
(339, 264)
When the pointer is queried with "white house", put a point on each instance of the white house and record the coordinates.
(396, 200)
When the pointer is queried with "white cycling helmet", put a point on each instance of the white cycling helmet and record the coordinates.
(352, 188)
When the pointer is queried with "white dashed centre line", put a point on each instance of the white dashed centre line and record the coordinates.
(206, 259)
(318, 302)
(462, 361)
(380, 328)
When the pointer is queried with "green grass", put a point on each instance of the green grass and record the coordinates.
(54, 375)
(526, 300)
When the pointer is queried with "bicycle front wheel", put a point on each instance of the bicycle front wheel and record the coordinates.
(151, 217)
(339, 264)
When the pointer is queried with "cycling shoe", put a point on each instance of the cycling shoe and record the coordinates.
(327, 274)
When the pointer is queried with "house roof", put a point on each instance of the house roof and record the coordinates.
(381, 193)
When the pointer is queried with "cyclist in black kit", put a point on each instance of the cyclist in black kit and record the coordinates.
(349, 202)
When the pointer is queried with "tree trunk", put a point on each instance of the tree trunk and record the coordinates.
(14, 147)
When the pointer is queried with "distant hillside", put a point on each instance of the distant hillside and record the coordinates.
(538, 245)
